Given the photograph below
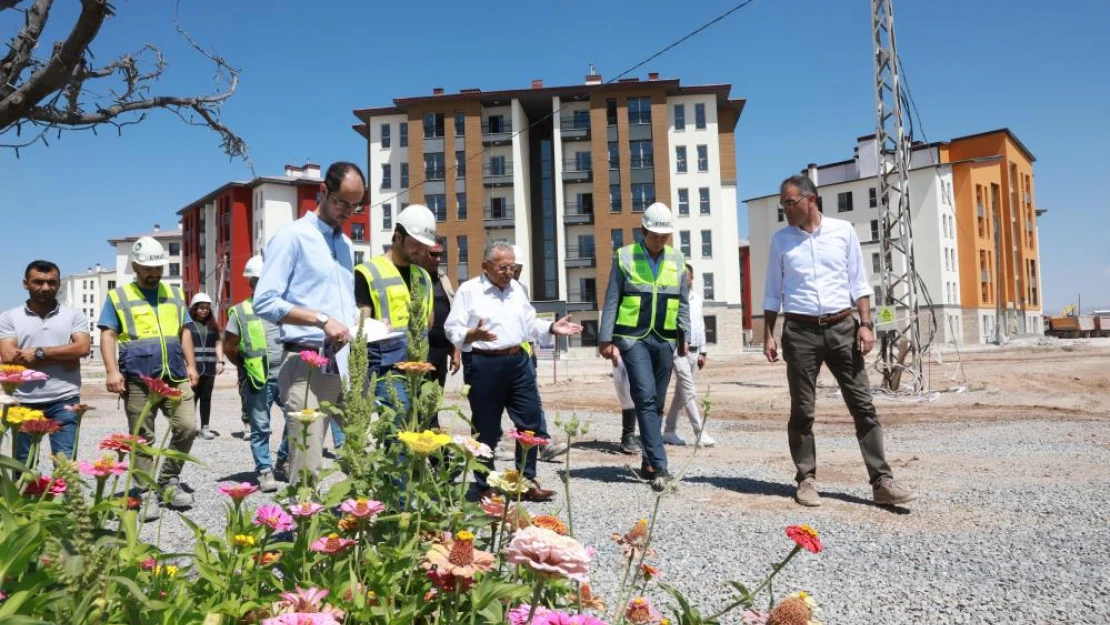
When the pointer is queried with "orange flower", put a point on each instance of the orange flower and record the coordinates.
(160, 387)
(457, 556)
(805, 536)
(348, 523)
(635, 542)
(586, 596)
(267, 558)
(550, 522)
(415, 367)
(40, 427)
(791, 611)
(649, 571)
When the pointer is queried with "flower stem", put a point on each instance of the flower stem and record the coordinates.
(535, 599)
(765, 584)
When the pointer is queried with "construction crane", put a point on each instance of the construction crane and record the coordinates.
(900, 346)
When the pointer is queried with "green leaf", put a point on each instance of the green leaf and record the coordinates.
(19, 547)
(21, 620)
(11, 605)
(132, 588)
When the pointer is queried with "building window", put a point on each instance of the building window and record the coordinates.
(582, 161)
(360, 257)
(496, 124)
(460, 164)
(404, 134)
(387, 216)
(707, 287)
(711, 329)
(680, 117)
(357, 232)
(616, 238)
(780, 216)
(680, 158)
(703, 158)
(684, 242)
(175, 249)
(683, 202)
(874, 229)
(464, 248)
(699, 116)
(643, 195)
(844, 202)
(875, 268)
(387, 175)
(460, 123)
(460, 206)
(433, 125)
(175, 270)
(872, 197)
(435, 167)
(614, 155)
(404, 175)
(442, 242)
(614, 198)
(639, 111)
(707, 244)
(111, 284)
(642, 155)
(703, 200)
(437, 203)
(611, 111)
(386, 139)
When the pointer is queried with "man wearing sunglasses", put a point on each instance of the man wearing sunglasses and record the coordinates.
(440, 349)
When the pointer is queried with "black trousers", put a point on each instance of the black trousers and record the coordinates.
(202, 398)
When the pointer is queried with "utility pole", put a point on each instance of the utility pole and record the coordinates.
(901, 346)
(997, 273)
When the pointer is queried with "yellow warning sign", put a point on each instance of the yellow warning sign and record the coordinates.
(884, 316)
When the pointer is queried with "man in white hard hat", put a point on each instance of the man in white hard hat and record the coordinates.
(385, 286)
(646, 318)
(144, 320)
(307, 286)
(253, 344)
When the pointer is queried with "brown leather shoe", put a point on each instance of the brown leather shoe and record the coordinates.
(538, 494)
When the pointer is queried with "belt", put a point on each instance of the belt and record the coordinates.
(824, 320)
(508, 351)
(301, 347)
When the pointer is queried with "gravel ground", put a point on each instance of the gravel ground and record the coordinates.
(1010, 527)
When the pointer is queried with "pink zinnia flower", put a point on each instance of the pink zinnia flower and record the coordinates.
(548, 553)
(471, 447)
(161, 388)
(362, 507)
(45, 484)
(528, 438)
(562, 618)
(122, 443)
(313, 359)
(274, 518)
(305, 509)
(102, 468)
(148, 564)
(79, 409)
(805, 536)
(239, 491)
(519, 614)
(331, 544)
(641, 612)
(14, 376)
(302, 618)
(306, 600)
(40, 427)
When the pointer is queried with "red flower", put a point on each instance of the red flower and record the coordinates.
(160, 387)
(449, 582)
(40, 427)
(649, 571)
(45, 484)
(805, 536)
(527, 438)
(122, 443)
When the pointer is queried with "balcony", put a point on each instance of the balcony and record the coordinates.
(497, 134)
(499, 176)
(575, 129)
(499, 216)
(643, 161)
(581, 257)
(576, 296)
(577, 170)
(578, 213)
(435, 173)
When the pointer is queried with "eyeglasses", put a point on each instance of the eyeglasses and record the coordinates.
(345, 206)
(792, 202)
(435, 254)
(500, 268)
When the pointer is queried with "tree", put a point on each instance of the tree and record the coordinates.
(67, 90)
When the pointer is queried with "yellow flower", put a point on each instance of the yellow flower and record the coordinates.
(424, 443)
(244, 540)
(169, 570)
(509, 482)
(19, 414)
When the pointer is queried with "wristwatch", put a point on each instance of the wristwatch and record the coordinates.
(40, 353)
(322, 319)
(870, 325)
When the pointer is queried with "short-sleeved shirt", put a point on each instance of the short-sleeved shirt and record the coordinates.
(57, 328)
(109, 318)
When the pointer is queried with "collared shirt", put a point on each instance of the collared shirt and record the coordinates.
(507, 313)
(311, 265)
(815, 274)
(275, 355)
(57, 328)
(697, 323)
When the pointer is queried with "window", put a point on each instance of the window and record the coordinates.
(460, 124)
(844, 202)
(464, 248)
(175, 249)
(360, 257)
(780, 217)
(711, 329)
(175, 270)
(614, 155)
(404, 134)
(387, 175)
(707, 287)
(643, 195)
(703, 158)
(460, 206)
(586, 247)
(582, 161)
(84, 298)
(874, 229)
(460, 164)
(680, 158)
(642, 155)
(386, 139)
(434, 166)
(587, 289)
(639, 110)
(499, 208)
(497, 165)
(703, 200)
(684, 242)
(611, 111)
(872, 197)
(875, 268)
(404, 175)
(433, 125)
(680, 117)
(683, 202)
(442, 242)
(357, 232)
(585, 203)
(387, 216)
(707, 244)
(699, 116)
(437, 203)
(111, 284)
(616, 238)
(496, 124)
(614, 198)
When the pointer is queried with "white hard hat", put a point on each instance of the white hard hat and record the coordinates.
(200, 298)
(658, 219)
(253, 268)
(419, 222)
(148, 252)
(518, 255)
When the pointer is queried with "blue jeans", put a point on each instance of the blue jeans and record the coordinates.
(61, 442)
(257, 404)
(337, 435)
(648, 362)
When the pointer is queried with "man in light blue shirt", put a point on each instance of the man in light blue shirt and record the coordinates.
(307, 286)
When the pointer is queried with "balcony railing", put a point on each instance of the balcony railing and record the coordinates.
(578, 213)
(643, 161)
(575, 128)
(499, 175)
(577, 169)
(581, 256)
(435, 173)
(499, 216)
(579, 296)
(497, 133)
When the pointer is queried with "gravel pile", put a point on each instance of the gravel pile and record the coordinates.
(1010, 527)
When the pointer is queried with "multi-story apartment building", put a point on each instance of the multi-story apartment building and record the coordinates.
(86, 292)
(564, 173)
(170, 240)
(962, 192)
(224, 229)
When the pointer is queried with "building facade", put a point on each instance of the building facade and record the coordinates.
(961, 194)
(564, 173)
(170, 240)
(86, 292)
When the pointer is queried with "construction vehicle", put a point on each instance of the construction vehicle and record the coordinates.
(1069, 325)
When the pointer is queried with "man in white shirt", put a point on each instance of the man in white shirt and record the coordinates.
(686, 368)
(490, 318)
(815, 275)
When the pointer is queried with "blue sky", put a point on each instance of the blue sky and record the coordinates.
(803, 65)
